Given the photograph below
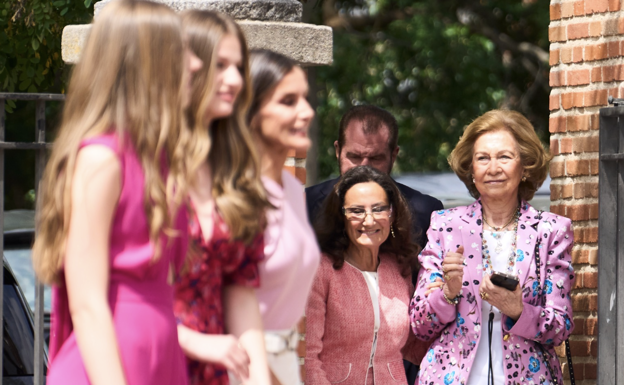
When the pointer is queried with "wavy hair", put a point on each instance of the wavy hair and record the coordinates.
(331, 223)
(236, 185)
(138, 95)
(535, 158)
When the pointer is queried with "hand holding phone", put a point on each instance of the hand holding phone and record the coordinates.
(507, 281)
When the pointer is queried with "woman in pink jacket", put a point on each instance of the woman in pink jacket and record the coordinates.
(357, 313)
(481, 332)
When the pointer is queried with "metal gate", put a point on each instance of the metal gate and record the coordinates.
(40, 146)
(611, 245)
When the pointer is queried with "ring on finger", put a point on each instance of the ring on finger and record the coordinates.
(484, 295)
(447, 277)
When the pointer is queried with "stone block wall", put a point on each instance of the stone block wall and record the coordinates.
(587, 65)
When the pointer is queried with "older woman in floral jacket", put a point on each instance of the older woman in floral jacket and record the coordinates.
(482, 333)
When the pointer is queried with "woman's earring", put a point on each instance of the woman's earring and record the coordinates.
(473, 180)
(392, 231)
(524, 178)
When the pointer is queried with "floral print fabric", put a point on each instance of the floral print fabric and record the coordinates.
(455, 331)
(220, 262)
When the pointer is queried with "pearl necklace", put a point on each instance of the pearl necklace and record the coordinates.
(487, 259)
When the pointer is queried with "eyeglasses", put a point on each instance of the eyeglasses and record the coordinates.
(359, 214)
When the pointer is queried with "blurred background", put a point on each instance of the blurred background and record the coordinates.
(435, 64)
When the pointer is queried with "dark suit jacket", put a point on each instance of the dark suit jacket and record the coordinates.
(420, 204)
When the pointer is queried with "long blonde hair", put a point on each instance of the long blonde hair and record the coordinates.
(129, 81)
(226, 143)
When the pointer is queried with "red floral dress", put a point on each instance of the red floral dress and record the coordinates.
(198, 293)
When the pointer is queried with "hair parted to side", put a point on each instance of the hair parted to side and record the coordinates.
(373, 118)
(330, 226)
(138, 94)
(226, 143)
(535, 158)
(267, 68)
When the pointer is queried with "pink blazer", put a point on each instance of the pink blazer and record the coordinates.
(340, 326)
(546, 320)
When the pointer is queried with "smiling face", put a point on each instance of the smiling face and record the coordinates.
(285, 116)
(372, 231)
(228, 80)
(496, 166)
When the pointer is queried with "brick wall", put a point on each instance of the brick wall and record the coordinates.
(587, 65)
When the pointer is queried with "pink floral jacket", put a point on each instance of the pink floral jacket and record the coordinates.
(546, 320)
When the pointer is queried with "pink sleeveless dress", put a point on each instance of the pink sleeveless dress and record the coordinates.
(140, 298)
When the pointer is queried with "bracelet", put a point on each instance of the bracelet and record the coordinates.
(453, 301)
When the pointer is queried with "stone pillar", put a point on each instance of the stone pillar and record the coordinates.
(586, 52)
(270, 24)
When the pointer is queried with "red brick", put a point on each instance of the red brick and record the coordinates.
(557, 79)
(596, 52)
(574, 31)
(560, 191)
(576, 77)
(594, 348)
(578, 99)
(565, 145)
(557, 209)
(557, 124)
(579, 325)
(566, 55)
(553, 102)
(576, 167)
(595, 28)
(557, 169)
(594, 98)
(554, 57)
(554, 146)
(595, 122)
(596, 6)
(596, 74)
(567, 100)
(608, 73)
(580, 256)
(614, 48)
(583, 144)
(298, 172)
(301, 349)
(580, 348)
(586, 234)
(593, 257)
(579, 8)
(567, 10)
(299, 154)
(619, 72)
(301, 325)
(578, 212)
(580, 302)
(577, 54)
(593, 166)
(555, 11)
(577, 123)
(591, 371)
(620, 27)
(590, 279)
(614, 5)
(591, 326)
(585, 190)
(557, 33)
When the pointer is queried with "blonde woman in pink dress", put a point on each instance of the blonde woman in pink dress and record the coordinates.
(279, 118)
(107, 201)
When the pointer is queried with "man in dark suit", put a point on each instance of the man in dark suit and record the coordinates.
(368, 135)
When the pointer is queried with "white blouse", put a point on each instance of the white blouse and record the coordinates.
(373, 289)
(500, 259)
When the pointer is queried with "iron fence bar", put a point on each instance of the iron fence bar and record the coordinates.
(610, 289)
(40, 160)
(612, 157)
(24, 146)
(33, 96)
(2, 127)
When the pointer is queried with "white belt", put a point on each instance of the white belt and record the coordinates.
(279, 341)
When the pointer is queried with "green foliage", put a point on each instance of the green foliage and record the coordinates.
(434, 71)
(30, 43)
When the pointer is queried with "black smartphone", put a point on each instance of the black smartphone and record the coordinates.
(508, 281)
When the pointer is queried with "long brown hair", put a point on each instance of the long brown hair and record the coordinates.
(129, 81)
(331, 223)
(226, 143)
